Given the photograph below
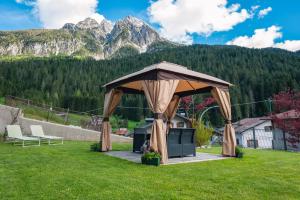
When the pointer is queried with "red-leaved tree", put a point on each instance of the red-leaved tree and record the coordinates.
(187, 103)
(287, 103)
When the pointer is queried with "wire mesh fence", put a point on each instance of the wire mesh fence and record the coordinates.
(266, 139)
(255, 138)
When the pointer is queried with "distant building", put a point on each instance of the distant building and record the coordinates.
(179, 121)
(253, 133)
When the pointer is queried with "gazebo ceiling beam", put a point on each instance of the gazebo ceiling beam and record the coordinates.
(181, 94)
(191, 85)
(196, 91)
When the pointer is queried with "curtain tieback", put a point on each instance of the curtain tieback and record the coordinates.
(227, 121)
(158, 115)
(105, 119)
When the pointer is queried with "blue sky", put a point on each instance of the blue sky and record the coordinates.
(284, 17)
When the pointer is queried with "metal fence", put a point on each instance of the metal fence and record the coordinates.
(266, 139)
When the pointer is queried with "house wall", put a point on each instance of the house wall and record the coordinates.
(264, 139)
(7, 115)
(68, 132)
(178, 119)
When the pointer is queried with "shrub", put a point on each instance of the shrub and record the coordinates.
(151, 155)
(239, 152)
(96, 147)
(3, 136)
(203, 133)
(151, 158)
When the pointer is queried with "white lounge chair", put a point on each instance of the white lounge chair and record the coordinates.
(37, 131)
(14, 132)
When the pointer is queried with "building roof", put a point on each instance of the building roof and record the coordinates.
(291, 114)
(246, 124)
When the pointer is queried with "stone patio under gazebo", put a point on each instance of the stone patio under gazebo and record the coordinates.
(136, 157)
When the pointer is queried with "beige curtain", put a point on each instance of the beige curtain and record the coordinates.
(159, 94)
(112, 99)
(171, 110)
(229, 141)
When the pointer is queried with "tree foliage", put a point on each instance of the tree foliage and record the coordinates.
(288, 103)
(203, 133)
(77, 83)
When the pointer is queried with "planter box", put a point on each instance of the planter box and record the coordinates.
(153, 161)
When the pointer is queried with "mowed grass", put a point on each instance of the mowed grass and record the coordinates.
(71, 171)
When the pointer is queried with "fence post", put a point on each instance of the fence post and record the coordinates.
(254, 139)
(67, 116)
(49, 111)
(284, 140)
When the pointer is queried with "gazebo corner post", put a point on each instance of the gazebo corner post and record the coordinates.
(105, 141)
(112, 99)
(229, 140)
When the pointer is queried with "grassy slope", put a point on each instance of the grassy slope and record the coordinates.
(71, 171)
(73, 119)
(2, 100)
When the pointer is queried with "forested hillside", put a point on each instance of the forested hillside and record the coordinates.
(76, 83)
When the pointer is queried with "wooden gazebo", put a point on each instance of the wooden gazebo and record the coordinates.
(164, 84)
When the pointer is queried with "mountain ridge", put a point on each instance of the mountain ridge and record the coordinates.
(87, 38)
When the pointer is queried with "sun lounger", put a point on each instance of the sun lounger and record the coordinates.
(37, 131)
(14, 132)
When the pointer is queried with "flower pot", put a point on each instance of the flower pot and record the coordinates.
(152, 161)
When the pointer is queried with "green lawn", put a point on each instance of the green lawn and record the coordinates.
(71, 171)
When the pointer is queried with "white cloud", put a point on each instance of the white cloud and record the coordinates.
(291, 45)
(262, 13)
(178, 19)
(55, 13)
(263, 38)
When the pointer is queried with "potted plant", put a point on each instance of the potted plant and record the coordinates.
(96, 147)
(151, 158)
(239, 152)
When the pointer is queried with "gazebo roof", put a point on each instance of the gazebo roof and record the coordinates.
(191, 82)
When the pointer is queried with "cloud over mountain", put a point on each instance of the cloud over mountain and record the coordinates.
(55, 13)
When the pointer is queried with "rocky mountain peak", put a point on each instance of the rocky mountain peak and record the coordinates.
(88, 23)
(69, 26)
(106, 26)
(88, 38)
(133, 21)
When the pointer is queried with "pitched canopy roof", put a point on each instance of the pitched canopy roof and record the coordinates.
(191, 82)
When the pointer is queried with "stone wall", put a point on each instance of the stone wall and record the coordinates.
(7, 114)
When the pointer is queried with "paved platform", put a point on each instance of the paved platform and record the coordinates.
(136, 157)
